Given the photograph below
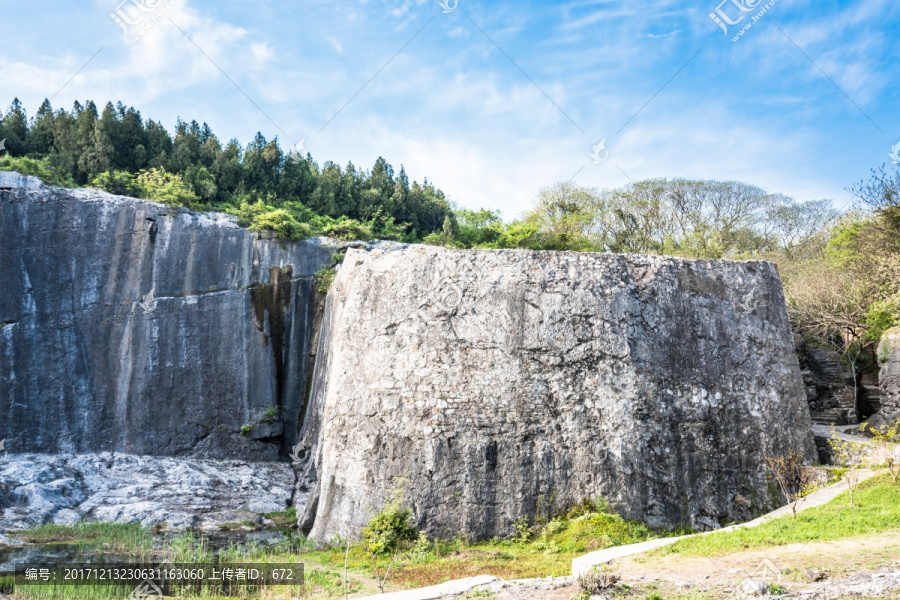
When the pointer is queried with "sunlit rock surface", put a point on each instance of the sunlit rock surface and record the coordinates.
(502, 385)
(89, 361)
(177, 493)
(888, 378)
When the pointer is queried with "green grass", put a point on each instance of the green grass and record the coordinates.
(546, 550)
(284, 518)
(877, 510)
(113, 537)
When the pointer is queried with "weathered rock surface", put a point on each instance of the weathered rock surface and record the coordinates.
(507, 384)
(888, 379)
(118, 488)
(89, 363)
(884, 583)
(829, 383)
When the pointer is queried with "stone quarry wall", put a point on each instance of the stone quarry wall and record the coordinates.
(888, 378)
(87, 365)
(830, 390)
(503, 384)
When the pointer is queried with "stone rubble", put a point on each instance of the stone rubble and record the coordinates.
(120, 488)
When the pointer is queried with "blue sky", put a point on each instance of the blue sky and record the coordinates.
(492, 100)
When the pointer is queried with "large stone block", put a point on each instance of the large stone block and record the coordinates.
(888, 379)
(505, 384)
(89, 362)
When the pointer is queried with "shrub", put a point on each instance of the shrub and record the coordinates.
(270, 414)
(42, 169)
(120, 183)
(887, 440)
(348, 230)
(324, 279)
(165, 187)
(247, 212)
(598, 579)
(282, 225)
(523, 529)
(390, 529)
(588, 506)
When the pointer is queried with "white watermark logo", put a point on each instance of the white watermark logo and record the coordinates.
(895, 153)
(723, 19)
(763, 580)
(599, 453)
(449, 5)
(296, 152)
(299, 454)
(146, 590)
(136, 17)
(749, 303)
(148, 305)
(600, 153)
(453, 287)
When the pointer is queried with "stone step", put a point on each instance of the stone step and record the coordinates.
(829, 416)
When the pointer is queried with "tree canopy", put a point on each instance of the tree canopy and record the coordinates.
(116, 149)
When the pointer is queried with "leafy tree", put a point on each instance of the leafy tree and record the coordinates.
(169, 188)
(794, 478)
(14, 128)
(120, 183)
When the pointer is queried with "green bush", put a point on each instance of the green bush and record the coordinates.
(348, 230)
(270, 414)
(390, 529)
(120, 183)
(282, 225)
(37, 168)
(247, 212)
(165, 187)
(324, 279)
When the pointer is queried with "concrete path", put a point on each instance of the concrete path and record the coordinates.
(584, 563)
(434, 592)
(847, 433)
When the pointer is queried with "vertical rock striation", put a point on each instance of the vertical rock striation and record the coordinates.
(507, 384)
(90, 361)
(888, 379)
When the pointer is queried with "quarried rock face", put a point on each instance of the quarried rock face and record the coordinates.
(130, 326)
(888, 379)
(500, 385)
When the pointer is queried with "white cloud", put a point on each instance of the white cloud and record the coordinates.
(261, 51)
(664, 35)
(334, 43)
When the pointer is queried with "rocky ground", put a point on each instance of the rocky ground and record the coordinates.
(178, 492)
(884, 583)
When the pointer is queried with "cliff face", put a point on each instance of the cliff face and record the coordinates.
(89, 362)
(889, 379)
(506, 384)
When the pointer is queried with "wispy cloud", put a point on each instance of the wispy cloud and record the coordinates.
(664, 35)
(451, 107)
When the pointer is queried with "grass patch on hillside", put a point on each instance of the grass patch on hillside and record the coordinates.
(877, 510)
(539, 550)
(543, 550)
